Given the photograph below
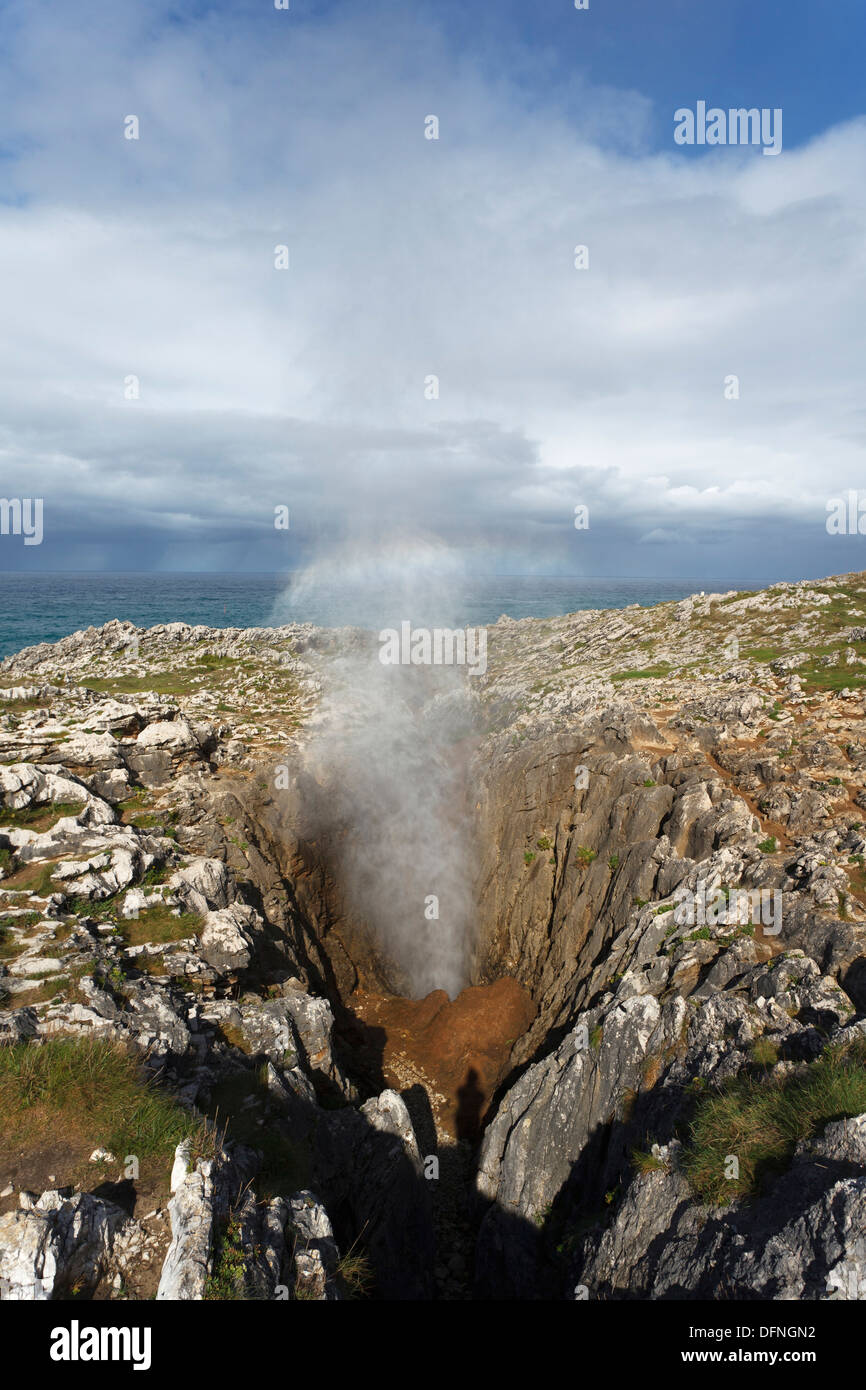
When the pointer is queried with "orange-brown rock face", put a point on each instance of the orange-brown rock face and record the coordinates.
(457, 1049)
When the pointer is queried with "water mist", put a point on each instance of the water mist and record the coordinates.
(389, 753)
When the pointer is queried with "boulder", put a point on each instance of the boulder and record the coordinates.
(56, 1242)
(228, 937)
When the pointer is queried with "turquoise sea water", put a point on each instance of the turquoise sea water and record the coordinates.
(45, 607)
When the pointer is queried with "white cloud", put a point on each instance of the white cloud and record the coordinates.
(408, 258)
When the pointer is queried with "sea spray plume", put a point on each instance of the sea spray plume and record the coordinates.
(389, 757)
(374, 584)
(386, 761)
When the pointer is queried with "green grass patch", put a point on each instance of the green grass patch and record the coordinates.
(19, 706)
(39, 817)
(35, 879)
(180, 682)
(85, 907)
(735, 598)
(760, 1121)
(831, 677)
(647, 673)
(761, 653)
(158, 924)
(46, 990)
(91, 1090)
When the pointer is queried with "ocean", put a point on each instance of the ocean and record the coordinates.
(44, 607)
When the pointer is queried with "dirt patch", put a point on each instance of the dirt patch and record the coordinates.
(457, 1050)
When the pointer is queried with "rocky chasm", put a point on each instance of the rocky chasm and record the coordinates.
(221, 1075)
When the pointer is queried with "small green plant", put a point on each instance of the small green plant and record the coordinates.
(613, 862)
(528, 856)
(585, 856)
(542, 1217)
(769, 845)
(227, 1280)
(544, 843)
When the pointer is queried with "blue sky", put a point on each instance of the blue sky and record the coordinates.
(792, 53)
(153, 261)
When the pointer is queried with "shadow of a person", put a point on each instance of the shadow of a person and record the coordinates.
(470, 1099)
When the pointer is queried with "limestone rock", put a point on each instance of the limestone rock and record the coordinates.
(228, 937)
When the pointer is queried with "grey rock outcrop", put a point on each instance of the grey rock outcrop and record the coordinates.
(804, 1239)
(201, 1202)
(368, 1161)
(58, 1242)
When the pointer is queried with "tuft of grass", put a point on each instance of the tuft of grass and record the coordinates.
(768, 846)
(355, 1273)
(760, 1120)
(644, 1162)
(765, 1052)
